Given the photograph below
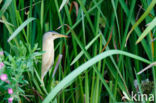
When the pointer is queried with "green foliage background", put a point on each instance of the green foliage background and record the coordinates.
(94, 26)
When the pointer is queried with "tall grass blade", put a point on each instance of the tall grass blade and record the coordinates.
(87, 47)
(20, 28)
(64, 2)
(69, 78)
(5, 6)
(147, 30)
(150, 7)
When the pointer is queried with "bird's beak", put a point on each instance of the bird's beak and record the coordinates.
(60, 36)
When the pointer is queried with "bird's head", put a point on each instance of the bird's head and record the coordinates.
(53, 35)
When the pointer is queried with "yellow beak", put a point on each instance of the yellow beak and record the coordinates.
(60, 36)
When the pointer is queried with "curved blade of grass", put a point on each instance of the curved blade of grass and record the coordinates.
(20, 28)
(150, 7)
(69, 78)
(87, 47)
(64, 2)
(147, 30)
(5, 6)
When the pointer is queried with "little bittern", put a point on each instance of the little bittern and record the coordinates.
(48, 47)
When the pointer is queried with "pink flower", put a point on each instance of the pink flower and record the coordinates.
(10, 100)
(1, 65)
(3, 77)
(10, 91)
(1, 53)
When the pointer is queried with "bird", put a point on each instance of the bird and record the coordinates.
(48, 47)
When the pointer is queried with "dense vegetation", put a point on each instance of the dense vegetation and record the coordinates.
(110, 42)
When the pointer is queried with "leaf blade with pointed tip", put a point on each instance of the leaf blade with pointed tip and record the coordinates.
(15, 33)
(64, 2)
(150, 7)
(147, 30)
(69, 78)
